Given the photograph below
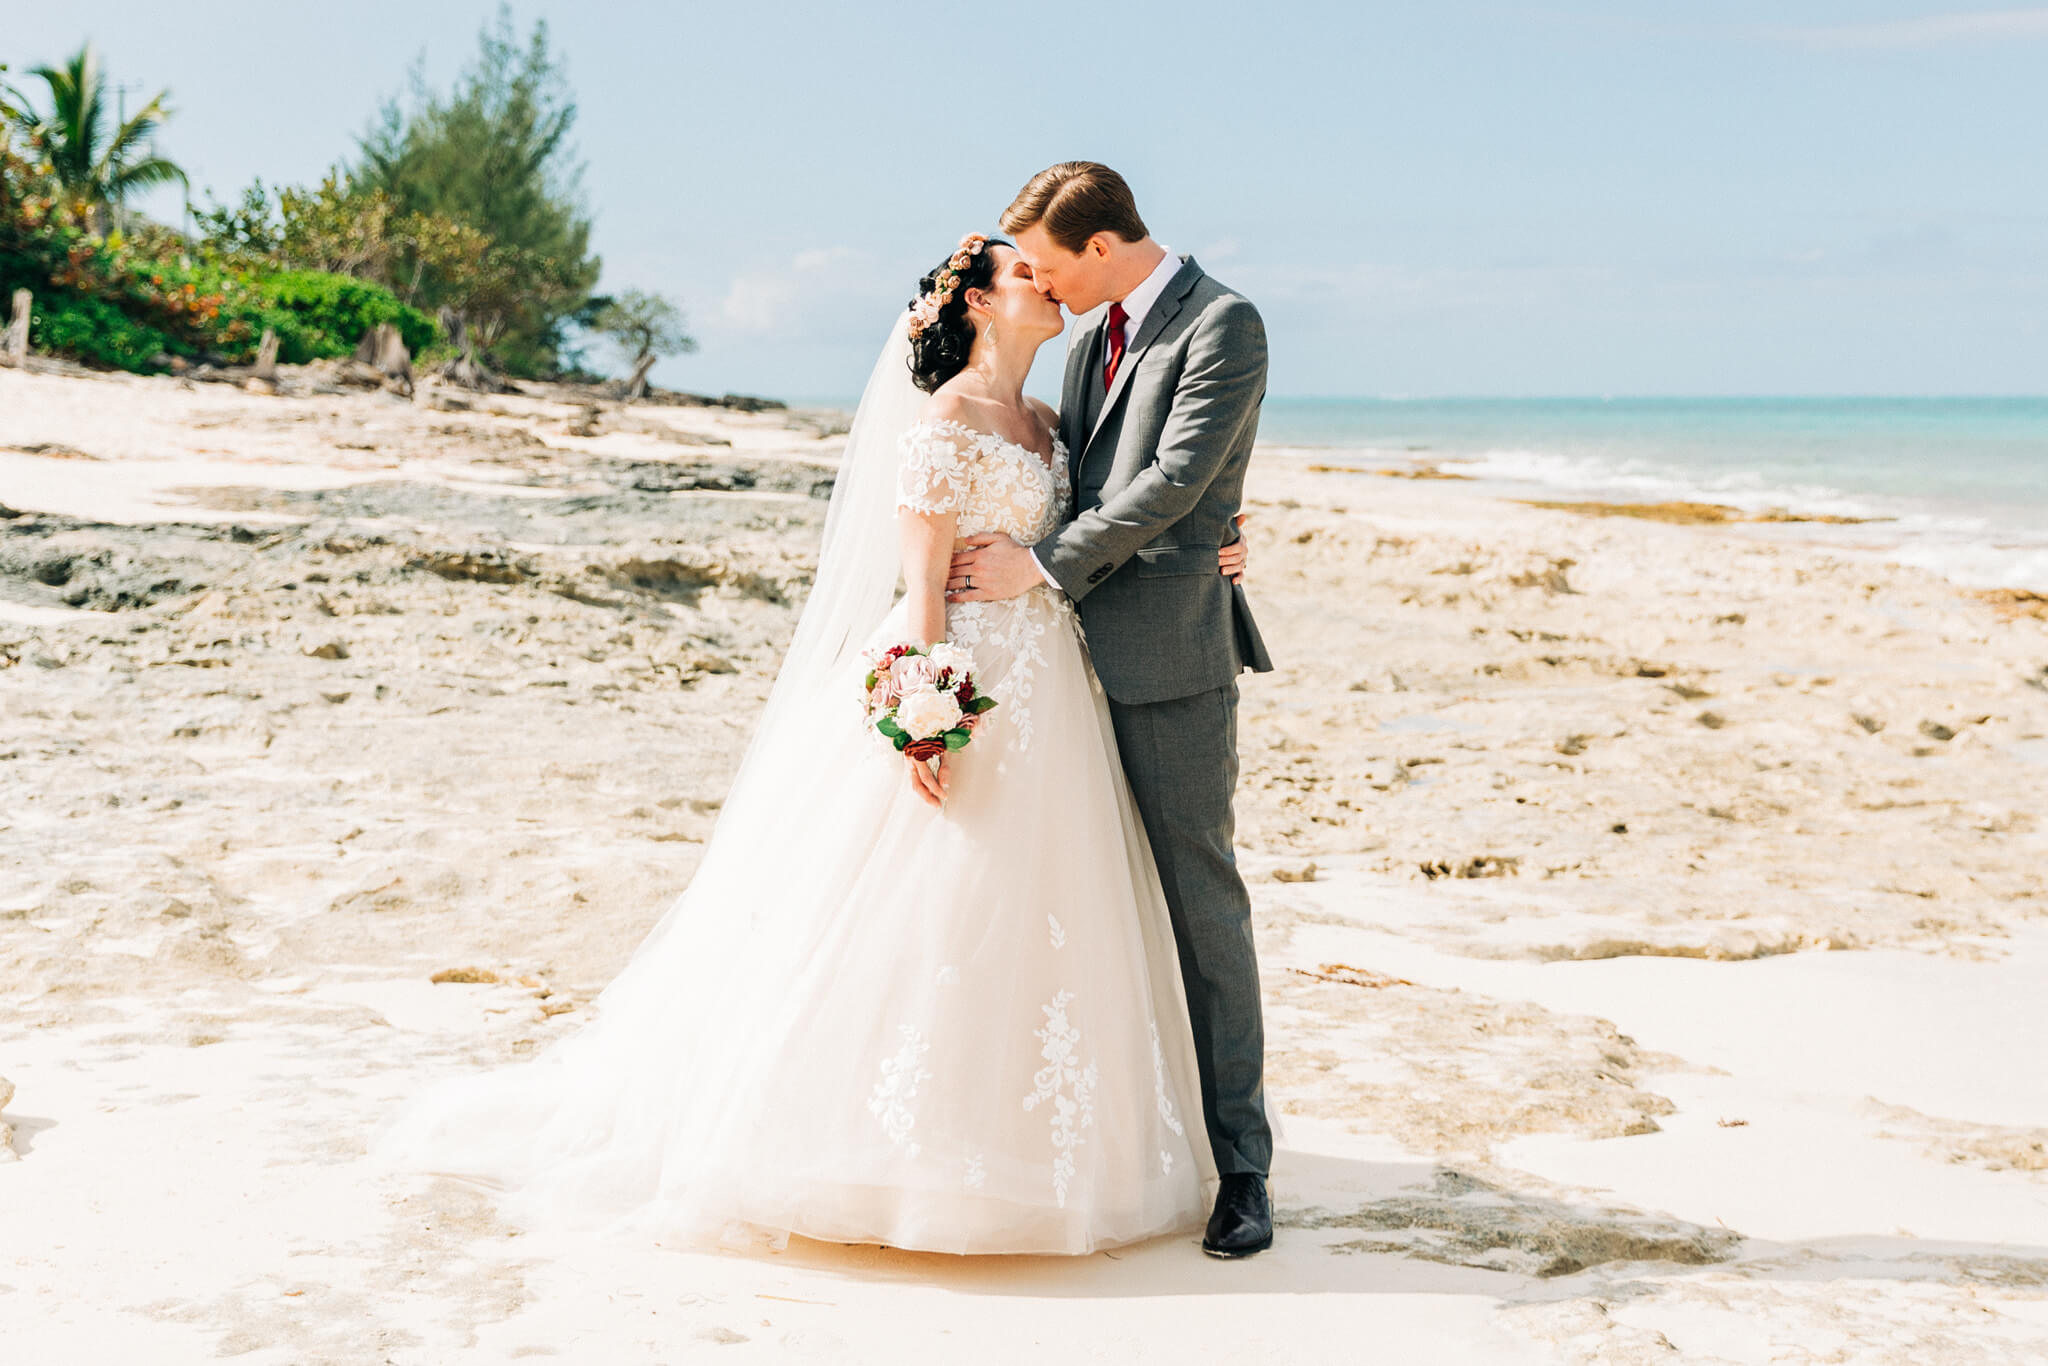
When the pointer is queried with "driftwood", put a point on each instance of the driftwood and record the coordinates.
(383, 350)
(263, 379)
(394, 359)
(15, 350)
(465, 369)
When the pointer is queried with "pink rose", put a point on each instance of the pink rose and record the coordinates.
(914, 673)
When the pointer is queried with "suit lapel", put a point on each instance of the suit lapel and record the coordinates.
(1164, 310)
(1087, 396)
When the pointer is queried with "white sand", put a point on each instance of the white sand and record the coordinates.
(223, 893)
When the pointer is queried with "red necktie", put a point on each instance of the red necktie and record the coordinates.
(1117, 319)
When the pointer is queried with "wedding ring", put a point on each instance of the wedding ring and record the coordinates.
(970, 583)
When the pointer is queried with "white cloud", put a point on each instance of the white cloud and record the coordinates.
(1981, 26)
(801, 298)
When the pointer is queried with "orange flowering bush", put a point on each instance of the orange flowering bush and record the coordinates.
(133, 302)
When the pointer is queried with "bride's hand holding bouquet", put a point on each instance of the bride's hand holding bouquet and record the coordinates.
(923, 702)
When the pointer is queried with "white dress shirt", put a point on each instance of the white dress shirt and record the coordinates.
(1139, 301)
(1136, 304)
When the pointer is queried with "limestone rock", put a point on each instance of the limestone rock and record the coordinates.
(465, 975)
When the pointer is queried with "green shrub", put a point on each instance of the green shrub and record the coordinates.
(334, 311)
(94, 331)
(120, 300)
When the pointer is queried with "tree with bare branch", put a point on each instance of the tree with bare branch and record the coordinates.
(645, 327)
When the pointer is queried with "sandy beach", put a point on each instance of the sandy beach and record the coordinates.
(1653, 916)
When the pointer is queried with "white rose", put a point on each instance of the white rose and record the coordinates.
(925, 714)
(915, 673)
(949, 656)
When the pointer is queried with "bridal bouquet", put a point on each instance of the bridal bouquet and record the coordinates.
(923, 701)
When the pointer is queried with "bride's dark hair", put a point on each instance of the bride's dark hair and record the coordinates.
(939, 351)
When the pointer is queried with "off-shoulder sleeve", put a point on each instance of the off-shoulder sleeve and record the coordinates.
(932, 475)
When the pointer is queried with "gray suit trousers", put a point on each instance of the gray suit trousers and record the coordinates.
(1180, 757)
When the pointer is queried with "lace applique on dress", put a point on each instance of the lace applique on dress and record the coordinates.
(935, 471)
(994, 485)
(901, 1075)
(1017, 632)
(992, 482)
(1070, 1113)
(1163, 1101)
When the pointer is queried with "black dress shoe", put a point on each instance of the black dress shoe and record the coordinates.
(1243, 1221)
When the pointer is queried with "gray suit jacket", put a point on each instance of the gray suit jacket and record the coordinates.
(1158, 473)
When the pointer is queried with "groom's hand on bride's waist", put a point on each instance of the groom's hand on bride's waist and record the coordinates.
(1233, 558)
(992, 568)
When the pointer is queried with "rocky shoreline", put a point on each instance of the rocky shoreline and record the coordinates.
(348, 739)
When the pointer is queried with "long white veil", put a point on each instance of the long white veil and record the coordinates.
(859, 560)
(589, 1126)
(859, 567)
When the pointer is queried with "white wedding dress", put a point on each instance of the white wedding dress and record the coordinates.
(869, 1020)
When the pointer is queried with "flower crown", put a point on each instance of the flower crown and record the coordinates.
(924, 310)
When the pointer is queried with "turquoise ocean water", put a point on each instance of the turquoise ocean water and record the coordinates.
(1965, 479)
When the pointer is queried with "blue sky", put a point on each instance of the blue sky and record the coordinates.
(1620, 198)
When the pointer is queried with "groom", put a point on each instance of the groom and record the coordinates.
(1158, 412)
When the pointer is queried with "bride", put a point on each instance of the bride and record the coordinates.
(937, 1010)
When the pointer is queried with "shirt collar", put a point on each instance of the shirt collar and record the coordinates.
(1140, 300)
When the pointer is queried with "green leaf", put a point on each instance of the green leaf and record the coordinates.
(980, 705)
(900, 740)
(887, 725)
(957, 739)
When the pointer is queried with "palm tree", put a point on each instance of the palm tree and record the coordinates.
(91, 166)
(11, 101)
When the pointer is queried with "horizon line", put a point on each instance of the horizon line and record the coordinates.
(1811, 396)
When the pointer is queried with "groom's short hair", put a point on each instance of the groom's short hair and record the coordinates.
(1075, 200)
